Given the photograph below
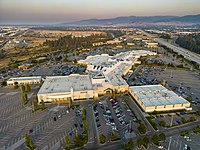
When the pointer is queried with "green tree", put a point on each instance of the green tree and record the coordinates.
(35, 105)
(162, 137)
(102, 139)
(193, 118)
(139, 142)
(67, 142)
(120, 93)
(28, 88)
(163, 123)
(24, 99)
(22, 88)
(198, 112)
(70, 103)
(129, 145)
(155, 139)
(29, 142)
(15, 85)
(43, 104)
(75, 61)
(142, 128)
(114, 137)
(183, 119)
(185, 133)
(80, 140)
(145, 142)
(196, 130)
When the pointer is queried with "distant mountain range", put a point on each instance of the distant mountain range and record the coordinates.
(189, 19)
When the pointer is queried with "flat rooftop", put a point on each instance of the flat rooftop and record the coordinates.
(25, 78)
(61, 84)
(156, 95)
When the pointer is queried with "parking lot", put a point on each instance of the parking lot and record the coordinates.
(171, 119)
(46, 128)
(184, 82)
(181, 143)
(114, 116)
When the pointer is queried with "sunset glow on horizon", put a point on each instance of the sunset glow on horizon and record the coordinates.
(54, 11)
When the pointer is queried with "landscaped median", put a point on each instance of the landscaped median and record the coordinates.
(154, 125)
(102, 139)
(114, 137)
(82, 139)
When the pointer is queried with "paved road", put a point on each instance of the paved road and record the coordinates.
(93, 137)
(184, 52)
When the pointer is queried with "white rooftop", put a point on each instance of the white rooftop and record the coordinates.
(25, 78)
(156, 95)
(60, 84)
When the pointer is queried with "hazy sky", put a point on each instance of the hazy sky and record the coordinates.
(50, 11)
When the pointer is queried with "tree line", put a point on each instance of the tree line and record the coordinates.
(190, 42)
(70, 42)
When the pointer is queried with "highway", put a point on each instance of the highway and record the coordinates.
(184, 52)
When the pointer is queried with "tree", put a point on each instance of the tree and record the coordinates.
(185, 133)
(183, 120)
(75, 61)
(35, 105)
(24, 99)
(129, 145)
(102, 139)
(192, 118)
(29, 142)
(70, 103)
(198, 112)
(142, 128)
(4, 83)
(120, 93)
(139, 142)
(162, 137)
(22, 88)
(28, 88)
(43, 104)
(163, 123)
(145, 142)
(80, 140)
(16, 85)
(114, 137)
(196, 130)
(67, 142)
(155, 139)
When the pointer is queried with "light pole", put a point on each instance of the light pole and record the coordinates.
(170, 136)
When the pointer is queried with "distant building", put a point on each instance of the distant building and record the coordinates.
(151, 45)
(158, 98)
(41, 59)
(137, 39)
(25, 66)
(98, 44)
(111, 42)
(131, 44)
(24, 80)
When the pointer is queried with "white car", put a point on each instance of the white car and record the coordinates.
(160, 147)
(188, 139)
(185, 146)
